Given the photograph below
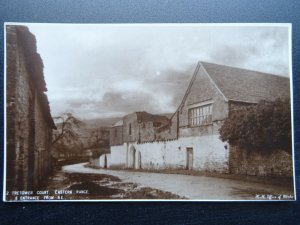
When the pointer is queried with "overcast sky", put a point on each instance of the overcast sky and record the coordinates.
(97, 71)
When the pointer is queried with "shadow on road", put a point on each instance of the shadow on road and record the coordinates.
(78, 186)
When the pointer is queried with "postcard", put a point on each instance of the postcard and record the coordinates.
(148, 112)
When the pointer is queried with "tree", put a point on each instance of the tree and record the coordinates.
(99, 137)
(67, 129)
(264, 126)
(99, 140)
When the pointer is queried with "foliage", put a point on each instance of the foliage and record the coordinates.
(99, 137)
(66, 133)
(74, 138)
(99, 141)
(264, 126)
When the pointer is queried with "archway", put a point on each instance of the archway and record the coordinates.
(105, 161)
(131, 157)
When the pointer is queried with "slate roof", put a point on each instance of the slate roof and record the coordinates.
(119, 123)
(245, 85)
(146, 117)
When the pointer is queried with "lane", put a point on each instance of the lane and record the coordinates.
(192, 187)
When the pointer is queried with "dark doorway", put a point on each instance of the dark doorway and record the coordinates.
(105, 161)
(189, 158)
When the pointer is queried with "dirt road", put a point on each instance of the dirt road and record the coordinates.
(194, 187)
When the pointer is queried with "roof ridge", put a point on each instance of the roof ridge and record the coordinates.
(188, 88)
(243, 84)
(214, 83)
(240, 68)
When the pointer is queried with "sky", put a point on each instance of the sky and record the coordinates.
(101, 71)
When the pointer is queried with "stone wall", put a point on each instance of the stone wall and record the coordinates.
(29, 123)
(130, 128)
(147, 131)
(18, 124)
(235, 106)
(169, 132)
(275, 163)
(43, 138)
(201, 91)
(251, 162)
(144, 127)
(166, 147)
(116, 135)
(209, 154)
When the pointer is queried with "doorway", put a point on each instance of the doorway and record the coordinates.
(131, 157)
(105, 161)
(189, 158)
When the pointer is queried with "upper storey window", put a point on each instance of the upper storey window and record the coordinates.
(200, 115)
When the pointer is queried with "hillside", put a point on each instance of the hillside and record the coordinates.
(101, 122)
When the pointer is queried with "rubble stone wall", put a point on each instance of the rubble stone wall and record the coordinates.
(29, 127)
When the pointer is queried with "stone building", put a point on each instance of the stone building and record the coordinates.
(28, 120)
(142, 126)
(190, 138)
(138, 127)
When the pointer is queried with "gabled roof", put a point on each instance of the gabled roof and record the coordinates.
(243, 85)
(119, 123)
(146, 117)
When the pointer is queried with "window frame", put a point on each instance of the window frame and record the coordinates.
(129, 131)
(200, 115)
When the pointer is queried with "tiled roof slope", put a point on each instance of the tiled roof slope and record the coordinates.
(146, 117)
(247, 86)
(119, 123)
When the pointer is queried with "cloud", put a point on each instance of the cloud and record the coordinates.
(109, 70)
(129, 101)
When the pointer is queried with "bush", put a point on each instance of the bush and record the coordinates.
(264, 126)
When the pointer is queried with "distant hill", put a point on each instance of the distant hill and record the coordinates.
(169, 115)
(102, 122)
(108, 122)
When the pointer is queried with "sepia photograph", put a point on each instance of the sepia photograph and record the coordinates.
(148, 112)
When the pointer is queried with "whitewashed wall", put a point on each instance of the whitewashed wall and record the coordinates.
(160, 155)
(118, 156)
(209, 154)
(102, 160)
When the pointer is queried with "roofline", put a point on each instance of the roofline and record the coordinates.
(136, 113)
(235, 67)
(188, 89)
(248, 102)
(117, 126)
(213, 82)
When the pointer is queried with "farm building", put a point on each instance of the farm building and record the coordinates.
(189, 139)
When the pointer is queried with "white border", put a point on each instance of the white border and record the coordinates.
(4, 116)
(288, 25)
(292, 107)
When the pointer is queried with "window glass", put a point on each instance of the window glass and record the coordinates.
(200, 115)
